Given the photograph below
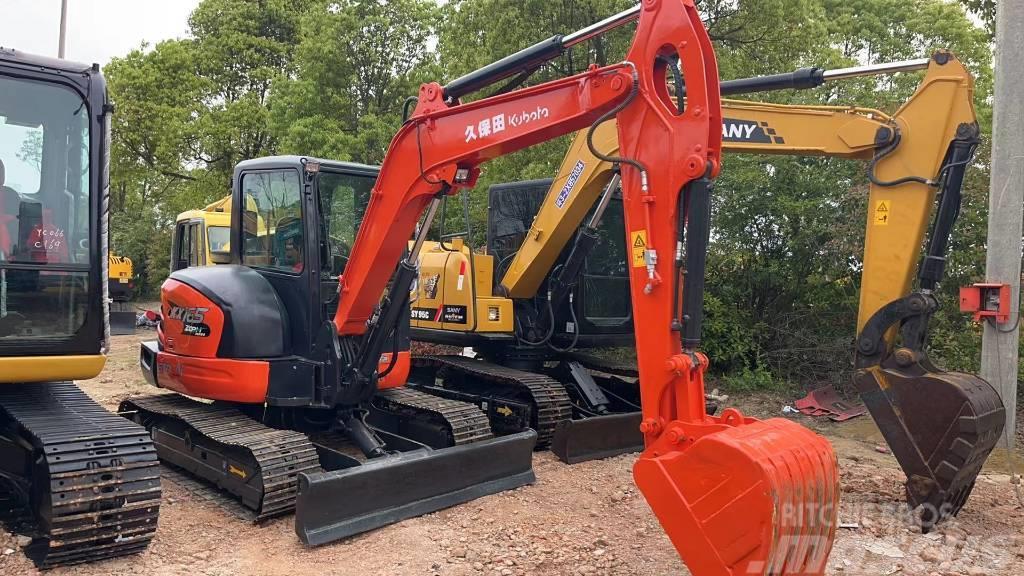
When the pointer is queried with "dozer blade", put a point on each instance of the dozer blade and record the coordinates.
(597, 437)
(341, 503)
(744, 498)
(122, 323)
(941, 427)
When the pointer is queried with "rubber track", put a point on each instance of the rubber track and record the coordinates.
(467, 422)
(278, 455)
(104, 475)
(547, 395)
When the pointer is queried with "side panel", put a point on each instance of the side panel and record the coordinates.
(50, 368)
(192, 324)
(214, 379)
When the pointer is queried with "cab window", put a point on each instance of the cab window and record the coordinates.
(343, 200)
(272, 220)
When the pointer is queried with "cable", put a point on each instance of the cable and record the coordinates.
(394, 354)
(547, 336)
(405, 107)
(889, 149)
(608, 116)
(575, 331)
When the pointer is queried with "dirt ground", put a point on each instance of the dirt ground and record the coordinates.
(582, 519)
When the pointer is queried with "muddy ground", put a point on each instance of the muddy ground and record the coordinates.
(582, 519)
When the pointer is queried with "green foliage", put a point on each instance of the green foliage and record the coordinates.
(356, 64)
(750, 380)
(330, 78)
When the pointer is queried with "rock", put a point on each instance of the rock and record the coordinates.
(931, 554)
(618, 496)
(202, 555)
(478, 566)
(506, 572)
(599, 552)
(459, 552)
(884, 549)
(23, 540)
(8, 551)
(975, 571)
(586, 569)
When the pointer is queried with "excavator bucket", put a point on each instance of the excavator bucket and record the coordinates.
(743, 496)
(941, 426)
(341, 503)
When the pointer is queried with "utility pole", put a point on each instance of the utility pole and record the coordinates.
(1005, 204)
(63, 27)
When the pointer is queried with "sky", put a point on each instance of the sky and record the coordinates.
(98, 30)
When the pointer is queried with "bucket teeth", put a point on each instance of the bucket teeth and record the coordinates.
(941, 427)
(762, 496)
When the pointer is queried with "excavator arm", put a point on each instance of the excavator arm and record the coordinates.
(941, 426)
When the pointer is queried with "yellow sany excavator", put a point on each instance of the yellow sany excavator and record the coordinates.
(533, 301)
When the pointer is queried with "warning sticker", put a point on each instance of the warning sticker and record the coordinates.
(882, 209)
(638, 244)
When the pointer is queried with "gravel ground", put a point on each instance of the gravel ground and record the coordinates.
(582, 519)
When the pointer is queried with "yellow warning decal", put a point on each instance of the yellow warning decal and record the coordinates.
(882, 210)
(638, 244)
(504, 411)
(237, 471)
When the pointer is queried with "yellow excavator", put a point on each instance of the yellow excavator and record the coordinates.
(531, 302)
(82, 482)
(202, 237)
(121, 288)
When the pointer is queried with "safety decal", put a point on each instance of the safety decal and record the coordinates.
(574, 177)
(882, 210)
(638, 245)
(462, 276)
(430, 286)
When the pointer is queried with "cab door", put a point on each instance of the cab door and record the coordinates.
(188, 245)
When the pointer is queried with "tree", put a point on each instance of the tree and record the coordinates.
(356, 63)
(187, 112)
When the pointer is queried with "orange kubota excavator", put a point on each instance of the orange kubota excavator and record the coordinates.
(735, 495)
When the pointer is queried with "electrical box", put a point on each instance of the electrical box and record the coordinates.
(986, 301)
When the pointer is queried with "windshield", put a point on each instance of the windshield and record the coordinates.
(44, 209)
(343, 200)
